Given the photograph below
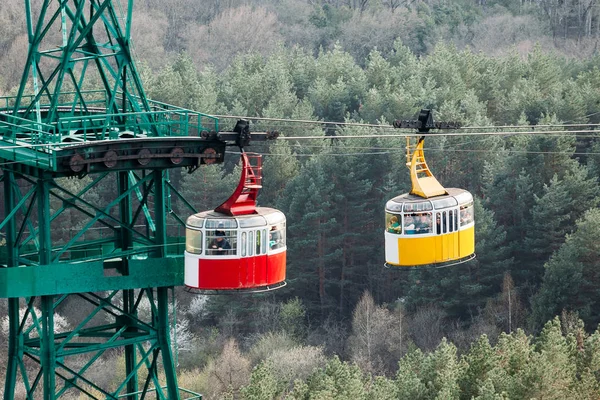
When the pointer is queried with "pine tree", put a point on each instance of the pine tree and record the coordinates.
(338, 86)
(383, 389)
(431, 376)
(408, 378)
(355, 233)
(279, 168)
(551, 372)
(337, 381)
(480, 360)
(514, 353)
(549, 225)
(463, 290)
(443, 372)
(308, 203)
(207, 187)
(263, 384)
(583, 189)
(572, 278)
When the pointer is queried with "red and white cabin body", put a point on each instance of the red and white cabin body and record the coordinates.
(240, 252)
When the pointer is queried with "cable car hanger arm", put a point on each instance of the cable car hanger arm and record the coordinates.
(424, 184)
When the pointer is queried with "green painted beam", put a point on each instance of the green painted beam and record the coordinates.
(74, 277)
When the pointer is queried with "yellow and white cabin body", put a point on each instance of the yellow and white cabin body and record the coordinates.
(437, 231)
(431, 226)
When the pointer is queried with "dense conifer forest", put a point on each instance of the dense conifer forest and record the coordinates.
(518, 322)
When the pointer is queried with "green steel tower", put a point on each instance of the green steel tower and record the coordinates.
(106, 245)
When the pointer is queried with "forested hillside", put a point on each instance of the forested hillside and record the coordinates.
(517, 322)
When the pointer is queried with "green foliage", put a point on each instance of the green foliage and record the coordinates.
(430, 376)
(537, 222)
(553, 365)
(207, 187)
(383, 389)
(279, 168)
(479, 361)
(462, 295)
(182, 85)
(263, 384)
(328, 20)
(410, 385)
(561, 362)
(338, 380)
(338, 85)
(308, 205)
(550, 223)
(571, 279)
(293, 316)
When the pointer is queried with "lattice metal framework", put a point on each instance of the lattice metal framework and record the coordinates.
(104, 246)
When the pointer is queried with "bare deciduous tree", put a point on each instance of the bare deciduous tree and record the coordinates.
(236, 31)
(229, 372)
(393, 5)
(297, 363)
(506, 311)
(426, 327)
(376, 341)
(60, 323)
(360, 5)
(149, 30)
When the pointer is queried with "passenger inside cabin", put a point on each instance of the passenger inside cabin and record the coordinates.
(394, 225)
(274, 237)
(220, 244)
(466, 215)
(423, 223)
(409, 225)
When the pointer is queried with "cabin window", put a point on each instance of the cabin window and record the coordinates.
(277, 236)
(393, 222)
(455, 212)
(258, 239)
(444, 222)
(263, 243)
(417, 223)
(423, 206)
(243, 245)
(466, 214)
(250, 243)
(221, 242)
(193, 241)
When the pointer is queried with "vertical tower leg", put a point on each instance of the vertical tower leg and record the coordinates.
(13, 304)
(126, 241)
(130, 352)
(162, 293)
(48, 354)
(47, 348)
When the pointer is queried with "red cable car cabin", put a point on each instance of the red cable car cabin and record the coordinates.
(233, 253)
(238, 246)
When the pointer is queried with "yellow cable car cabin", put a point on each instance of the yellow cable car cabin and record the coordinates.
(430, 232)
(431, 226)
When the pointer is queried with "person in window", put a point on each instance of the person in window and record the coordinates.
(274, 238)
(409, 225)
(394, 225)
(219, 245)
(422, 224)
